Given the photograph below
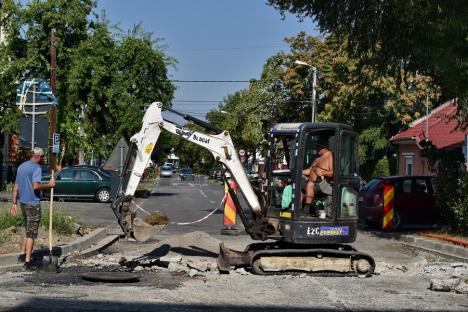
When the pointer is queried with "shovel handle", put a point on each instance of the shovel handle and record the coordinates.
(50, 213)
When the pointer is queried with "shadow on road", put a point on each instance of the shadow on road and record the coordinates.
(405, 229)
(75, 304)
(157, 194)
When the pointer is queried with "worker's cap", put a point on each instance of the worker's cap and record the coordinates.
(37, 151)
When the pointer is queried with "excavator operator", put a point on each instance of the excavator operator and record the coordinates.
(321, 169)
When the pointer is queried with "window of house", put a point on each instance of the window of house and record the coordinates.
(409, 165)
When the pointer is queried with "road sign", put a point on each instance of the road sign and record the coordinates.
(55, 143)
(241, 152)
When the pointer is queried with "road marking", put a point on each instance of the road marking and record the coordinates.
(212, 201)
(203, 193)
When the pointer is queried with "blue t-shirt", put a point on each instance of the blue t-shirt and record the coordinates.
(27, 173)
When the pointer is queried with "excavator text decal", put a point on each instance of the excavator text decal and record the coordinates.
(201, 139)
(183, 132)
(328, 230)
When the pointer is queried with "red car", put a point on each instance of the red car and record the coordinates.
(413, 202)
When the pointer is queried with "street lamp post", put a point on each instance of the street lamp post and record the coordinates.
(313, 72)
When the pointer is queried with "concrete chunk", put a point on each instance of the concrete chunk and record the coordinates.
(444, 284)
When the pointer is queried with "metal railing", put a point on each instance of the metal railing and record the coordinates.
(195, 179)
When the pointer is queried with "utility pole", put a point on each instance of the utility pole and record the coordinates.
(313, 73)
(53, 109)
(314, 85)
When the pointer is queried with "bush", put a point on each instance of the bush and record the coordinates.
(451, 187)
(63, 223)
(382, 168)
(7, 220)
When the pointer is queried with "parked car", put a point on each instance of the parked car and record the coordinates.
(44, 171)
(414, 201)
(100, 169)
(186, 174)
(166, 171)
(81, 182)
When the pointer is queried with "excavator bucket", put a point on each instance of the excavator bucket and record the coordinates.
(147, 228)
(228, 258)
(143, 231)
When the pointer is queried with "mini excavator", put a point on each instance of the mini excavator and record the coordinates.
(294, 237)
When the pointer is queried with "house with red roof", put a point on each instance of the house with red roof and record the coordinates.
(439, 127)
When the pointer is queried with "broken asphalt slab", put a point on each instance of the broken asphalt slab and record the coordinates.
(88, 244)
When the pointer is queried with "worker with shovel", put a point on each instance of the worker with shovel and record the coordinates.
(27, 192)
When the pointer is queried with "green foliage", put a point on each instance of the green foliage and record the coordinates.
(249, 114)
(451, 186)
(382, 168)
(190, 154)
(376, 103)
(105, 79)
(426, 36)
(63, 223)
(7, 220)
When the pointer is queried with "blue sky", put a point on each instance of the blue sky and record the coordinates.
(211, 39)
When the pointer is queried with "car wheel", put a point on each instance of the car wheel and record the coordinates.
(103, 195)
(396, 221)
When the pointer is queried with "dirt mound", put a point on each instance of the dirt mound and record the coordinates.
(198, 241)
(157, 218)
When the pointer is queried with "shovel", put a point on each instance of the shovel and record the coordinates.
(50, 262)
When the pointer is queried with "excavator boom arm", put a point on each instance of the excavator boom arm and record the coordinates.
(220, 146)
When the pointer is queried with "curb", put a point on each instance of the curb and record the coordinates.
(9, 262)
(95, 249)
(443, 249)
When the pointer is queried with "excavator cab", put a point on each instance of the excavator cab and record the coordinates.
(309, 235)
(296, 149)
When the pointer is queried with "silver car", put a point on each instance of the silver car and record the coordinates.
(166, 171)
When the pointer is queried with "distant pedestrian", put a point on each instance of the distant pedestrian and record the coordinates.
(27, 192)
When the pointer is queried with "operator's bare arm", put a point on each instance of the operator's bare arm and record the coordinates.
(315, 163)
(321, 166)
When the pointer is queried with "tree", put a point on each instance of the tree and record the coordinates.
(375, 103)
(426, 35)
(11, 53)
(111, 83)
(252, 112)
(104, 80)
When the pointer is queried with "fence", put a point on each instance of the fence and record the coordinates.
(196, 179)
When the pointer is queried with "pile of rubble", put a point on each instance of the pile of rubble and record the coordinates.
(443, 276)
(458, 285)
(194, 254)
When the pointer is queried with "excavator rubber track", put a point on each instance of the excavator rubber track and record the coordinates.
(271, 259)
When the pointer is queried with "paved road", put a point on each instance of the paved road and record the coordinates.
(401, 284)
(183, 202)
